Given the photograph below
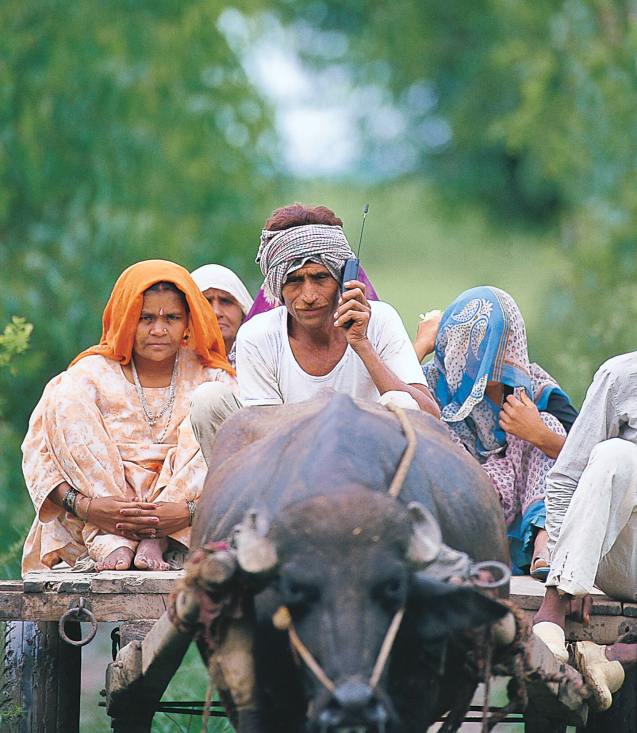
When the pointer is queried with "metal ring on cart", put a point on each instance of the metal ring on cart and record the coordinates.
(78, 613)
(495, 568)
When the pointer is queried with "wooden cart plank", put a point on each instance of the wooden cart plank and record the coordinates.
(129, 581)
(139, 594)
(111, 607)
(601, 630)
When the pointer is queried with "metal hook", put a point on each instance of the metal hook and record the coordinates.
(78, 613)
(489, 566)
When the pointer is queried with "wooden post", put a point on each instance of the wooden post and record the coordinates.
(41, 678)
(552, 706)
(137, 678)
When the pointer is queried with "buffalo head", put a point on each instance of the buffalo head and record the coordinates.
(335, 576)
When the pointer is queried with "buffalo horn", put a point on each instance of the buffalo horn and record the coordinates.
(217, 568)
(504, 630)
(426, 537)
(255, 552)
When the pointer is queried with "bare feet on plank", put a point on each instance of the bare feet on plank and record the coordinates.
(149, 555)
(120, 559)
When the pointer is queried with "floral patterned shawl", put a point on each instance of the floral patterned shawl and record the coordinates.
(482, 338)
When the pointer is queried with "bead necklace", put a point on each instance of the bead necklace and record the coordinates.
(148, 415)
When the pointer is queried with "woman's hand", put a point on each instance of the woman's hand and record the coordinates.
(168, 517)
(427, 333)
(106, 513)
(522, 419)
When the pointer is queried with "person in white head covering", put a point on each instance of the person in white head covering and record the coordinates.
(229, 299)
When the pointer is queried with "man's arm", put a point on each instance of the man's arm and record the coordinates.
(354, 306)
(385, 379)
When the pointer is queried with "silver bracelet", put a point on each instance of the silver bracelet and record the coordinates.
(68, 502)
(192, 508)
(88, 504)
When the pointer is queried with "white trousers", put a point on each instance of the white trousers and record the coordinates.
(212, 403)
(597, 544)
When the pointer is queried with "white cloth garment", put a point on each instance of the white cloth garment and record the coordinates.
(212, 403)
(591, 497)
(221, 278)
(269, 374)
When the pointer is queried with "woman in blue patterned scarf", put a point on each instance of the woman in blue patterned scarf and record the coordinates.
(509, 414)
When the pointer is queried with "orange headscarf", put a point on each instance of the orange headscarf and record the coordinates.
(124, 307)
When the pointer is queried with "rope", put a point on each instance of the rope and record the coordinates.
(307, 657)
(408, 455)
(206, 710)
(283, 621)
(488, 657)
(385, 649)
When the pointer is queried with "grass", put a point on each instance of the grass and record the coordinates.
(189, 683)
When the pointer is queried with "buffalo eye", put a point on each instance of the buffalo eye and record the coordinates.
(391, 593)
(298, 596)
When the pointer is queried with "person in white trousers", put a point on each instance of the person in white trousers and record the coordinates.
(591, 507)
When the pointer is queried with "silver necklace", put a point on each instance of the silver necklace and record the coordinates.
(148, 415)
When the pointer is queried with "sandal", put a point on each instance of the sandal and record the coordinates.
(540, 568)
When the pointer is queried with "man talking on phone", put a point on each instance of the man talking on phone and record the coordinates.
(320, 337)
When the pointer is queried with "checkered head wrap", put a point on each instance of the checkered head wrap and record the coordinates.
(282, 252)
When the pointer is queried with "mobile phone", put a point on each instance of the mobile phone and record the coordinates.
(350, 271)
(351, 266)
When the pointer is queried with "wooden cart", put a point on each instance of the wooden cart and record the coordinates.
(41, 681)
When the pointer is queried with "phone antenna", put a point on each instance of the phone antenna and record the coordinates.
(365, 210)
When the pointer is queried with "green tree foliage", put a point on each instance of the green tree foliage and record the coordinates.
(14, 340)
(575, 118)
(128, 131)
(540, 98)
(439, 60)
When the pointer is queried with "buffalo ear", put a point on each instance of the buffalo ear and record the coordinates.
(426, 537)
(442, 610)
(255, 552)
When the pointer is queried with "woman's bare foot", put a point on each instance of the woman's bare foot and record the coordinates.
(119, 559)
(149, 555)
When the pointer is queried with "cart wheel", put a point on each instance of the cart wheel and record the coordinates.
(40, 689)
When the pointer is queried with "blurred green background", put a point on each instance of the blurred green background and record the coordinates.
(494, 141)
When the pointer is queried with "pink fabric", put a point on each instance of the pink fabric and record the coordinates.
(519, 476)
(518, 471)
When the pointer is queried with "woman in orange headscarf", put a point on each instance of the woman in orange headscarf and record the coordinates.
(110, 459)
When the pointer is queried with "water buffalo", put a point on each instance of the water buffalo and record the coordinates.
(327, 611)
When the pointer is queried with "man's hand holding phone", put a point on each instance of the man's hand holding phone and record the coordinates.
(353, 306)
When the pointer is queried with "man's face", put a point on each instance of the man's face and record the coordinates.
(311, 296)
